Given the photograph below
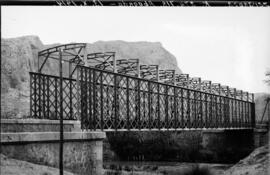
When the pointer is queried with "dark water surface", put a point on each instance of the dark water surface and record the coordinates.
(159, 168)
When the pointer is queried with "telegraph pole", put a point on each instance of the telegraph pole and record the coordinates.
(61, 114)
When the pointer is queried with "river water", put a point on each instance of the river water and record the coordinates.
(160, 168)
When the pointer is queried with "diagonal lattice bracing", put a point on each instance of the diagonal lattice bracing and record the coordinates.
(110, 94)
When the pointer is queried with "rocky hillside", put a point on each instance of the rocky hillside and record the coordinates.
(147, 52)
(19, 56)
(257, 163)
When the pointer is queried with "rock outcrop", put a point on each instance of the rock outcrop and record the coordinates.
(147, 52)
(257, 163)
(19, 56)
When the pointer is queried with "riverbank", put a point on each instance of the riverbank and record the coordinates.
(161, 168)
(257, 163)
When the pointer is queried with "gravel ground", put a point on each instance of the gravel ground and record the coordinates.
(17, 167)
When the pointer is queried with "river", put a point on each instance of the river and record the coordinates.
(161, 168)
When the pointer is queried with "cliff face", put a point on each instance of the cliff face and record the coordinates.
(147, 52)
(19, 56)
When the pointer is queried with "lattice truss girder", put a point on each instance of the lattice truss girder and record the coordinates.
(105, 61)
(126, 102)
(76, 54)
(45, 93)
(113, 94)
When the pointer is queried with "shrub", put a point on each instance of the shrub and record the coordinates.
(197, 170)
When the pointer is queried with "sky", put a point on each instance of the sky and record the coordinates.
(226, 45)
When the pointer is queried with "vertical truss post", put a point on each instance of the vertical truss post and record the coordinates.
(90, 99)
(55, 94)
(70, 89)
(69, 69)
(206, 110)
(39, 95)
(39, 70)
(206, 97)
(201, 104)
(253, 115)
(85, 56)
(211, 107)
(174, 77)
(166, 107)
(138, 69)
(78, 92)
(182, 109)
(149, 104)
(175, 107)
(31, 96)
(188, 82)
(84, 85)
(194, 109)
(114, 64)
(101, 101)
(158, 105)
(95, 121)
(241, 109)
(157, 73)
(220, 117)
(188, 108)
(35, 96)
(127, 105)
(139, 103)
(188, 102)
(235, 108)
(227, 105)
(232, 108)
(44, 96)
(247, 110)
(245, 113)
(115, 101)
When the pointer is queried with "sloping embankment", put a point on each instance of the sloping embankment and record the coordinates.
(13, 166)
(257, 163)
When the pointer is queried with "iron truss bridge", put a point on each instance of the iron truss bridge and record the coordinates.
(107, 94)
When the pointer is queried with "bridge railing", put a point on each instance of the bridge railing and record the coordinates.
(105, 100)
(45, 97)
(113, 101)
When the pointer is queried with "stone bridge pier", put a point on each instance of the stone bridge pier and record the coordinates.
(37, 141)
